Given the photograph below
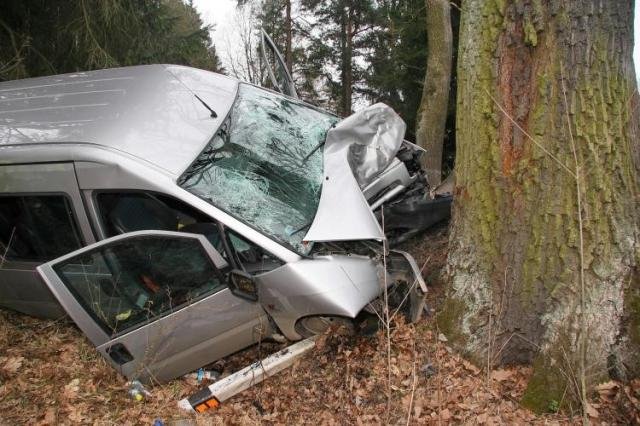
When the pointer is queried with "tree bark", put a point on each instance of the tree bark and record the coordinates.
(432, 114)
(544, 245)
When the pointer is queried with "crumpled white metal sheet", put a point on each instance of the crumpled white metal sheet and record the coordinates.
(356, 150)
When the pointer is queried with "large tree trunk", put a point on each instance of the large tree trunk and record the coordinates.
(543, 266)
(432, 114)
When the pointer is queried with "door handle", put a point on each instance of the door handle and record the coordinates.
(119, 354)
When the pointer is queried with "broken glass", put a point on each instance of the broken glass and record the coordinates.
(261, 166)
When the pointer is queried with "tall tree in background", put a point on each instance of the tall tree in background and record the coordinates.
(42, 37)
(347, 16)
(341, 41)
(386, 51)
(398, 45)
(274, 17)
(432, 115)
(396, 65)
(278, 19)
(544, 245)
(288, 29)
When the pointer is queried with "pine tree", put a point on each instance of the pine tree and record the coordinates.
(338, 46)
(42, 37)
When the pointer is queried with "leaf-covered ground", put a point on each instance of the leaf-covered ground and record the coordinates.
(50, 374)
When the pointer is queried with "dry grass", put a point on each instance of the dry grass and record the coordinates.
(50, 374)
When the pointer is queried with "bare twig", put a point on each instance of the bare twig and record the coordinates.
(583, 325)
(6, 250)
(489, 346)
(535, 142)
(413, 382)
(387, 323)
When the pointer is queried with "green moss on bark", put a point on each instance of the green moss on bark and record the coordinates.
(633, 309)
(517, 213)
(449, 321)
(530, 34)
(547, 388)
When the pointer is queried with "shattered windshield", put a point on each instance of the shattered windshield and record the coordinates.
(264, 165)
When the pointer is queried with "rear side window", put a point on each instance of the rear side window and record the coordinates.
(36, 228)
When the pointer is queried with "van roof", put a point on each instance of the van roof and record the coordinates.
(149, 111)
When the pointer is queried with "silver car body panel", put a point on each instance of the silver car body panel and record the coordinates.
(356, 151)
(171, 345)
(149, 112)
(325, 285)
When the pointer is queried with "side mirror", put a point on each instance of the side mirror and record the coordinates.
(243, 285)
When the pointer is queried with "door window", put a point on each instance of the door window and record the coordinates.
(122, 212)
(250, 257)
(129, 282)
(36, 228)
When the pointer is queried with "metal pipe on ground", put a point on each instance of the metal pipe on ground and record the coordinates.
(211, 396)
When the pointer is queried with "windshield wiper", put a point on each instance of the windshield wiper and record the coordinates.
(313, 151)
(213, 113)
(317, 147)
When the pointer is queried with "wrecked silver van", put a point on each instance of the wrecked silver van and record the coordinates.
(178, 216)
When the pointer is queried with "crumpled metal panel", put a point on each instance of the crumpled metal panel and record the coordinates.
(336, 285)
(356, 150)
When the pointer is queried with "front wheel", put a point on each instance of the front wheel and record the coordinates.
(312, 326)
(365, 324)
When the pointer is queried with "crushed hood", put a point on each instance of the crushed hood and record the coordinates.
(356, 150)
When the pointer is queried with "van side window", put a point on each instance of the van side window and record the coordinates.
(37, 228)
(122, 212)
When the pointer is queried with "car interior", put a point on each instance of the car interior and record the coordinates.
(123, 212)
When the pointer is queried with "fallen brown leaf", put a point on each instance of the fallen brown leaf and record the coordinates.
(607, 385)
(591, 411)
(71, 389)
(470, 367)
(13, 364)
(501, 375)
(445, 414)
(50, 417)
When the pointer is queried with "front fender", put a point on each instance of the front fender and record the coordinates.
(335, 285)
